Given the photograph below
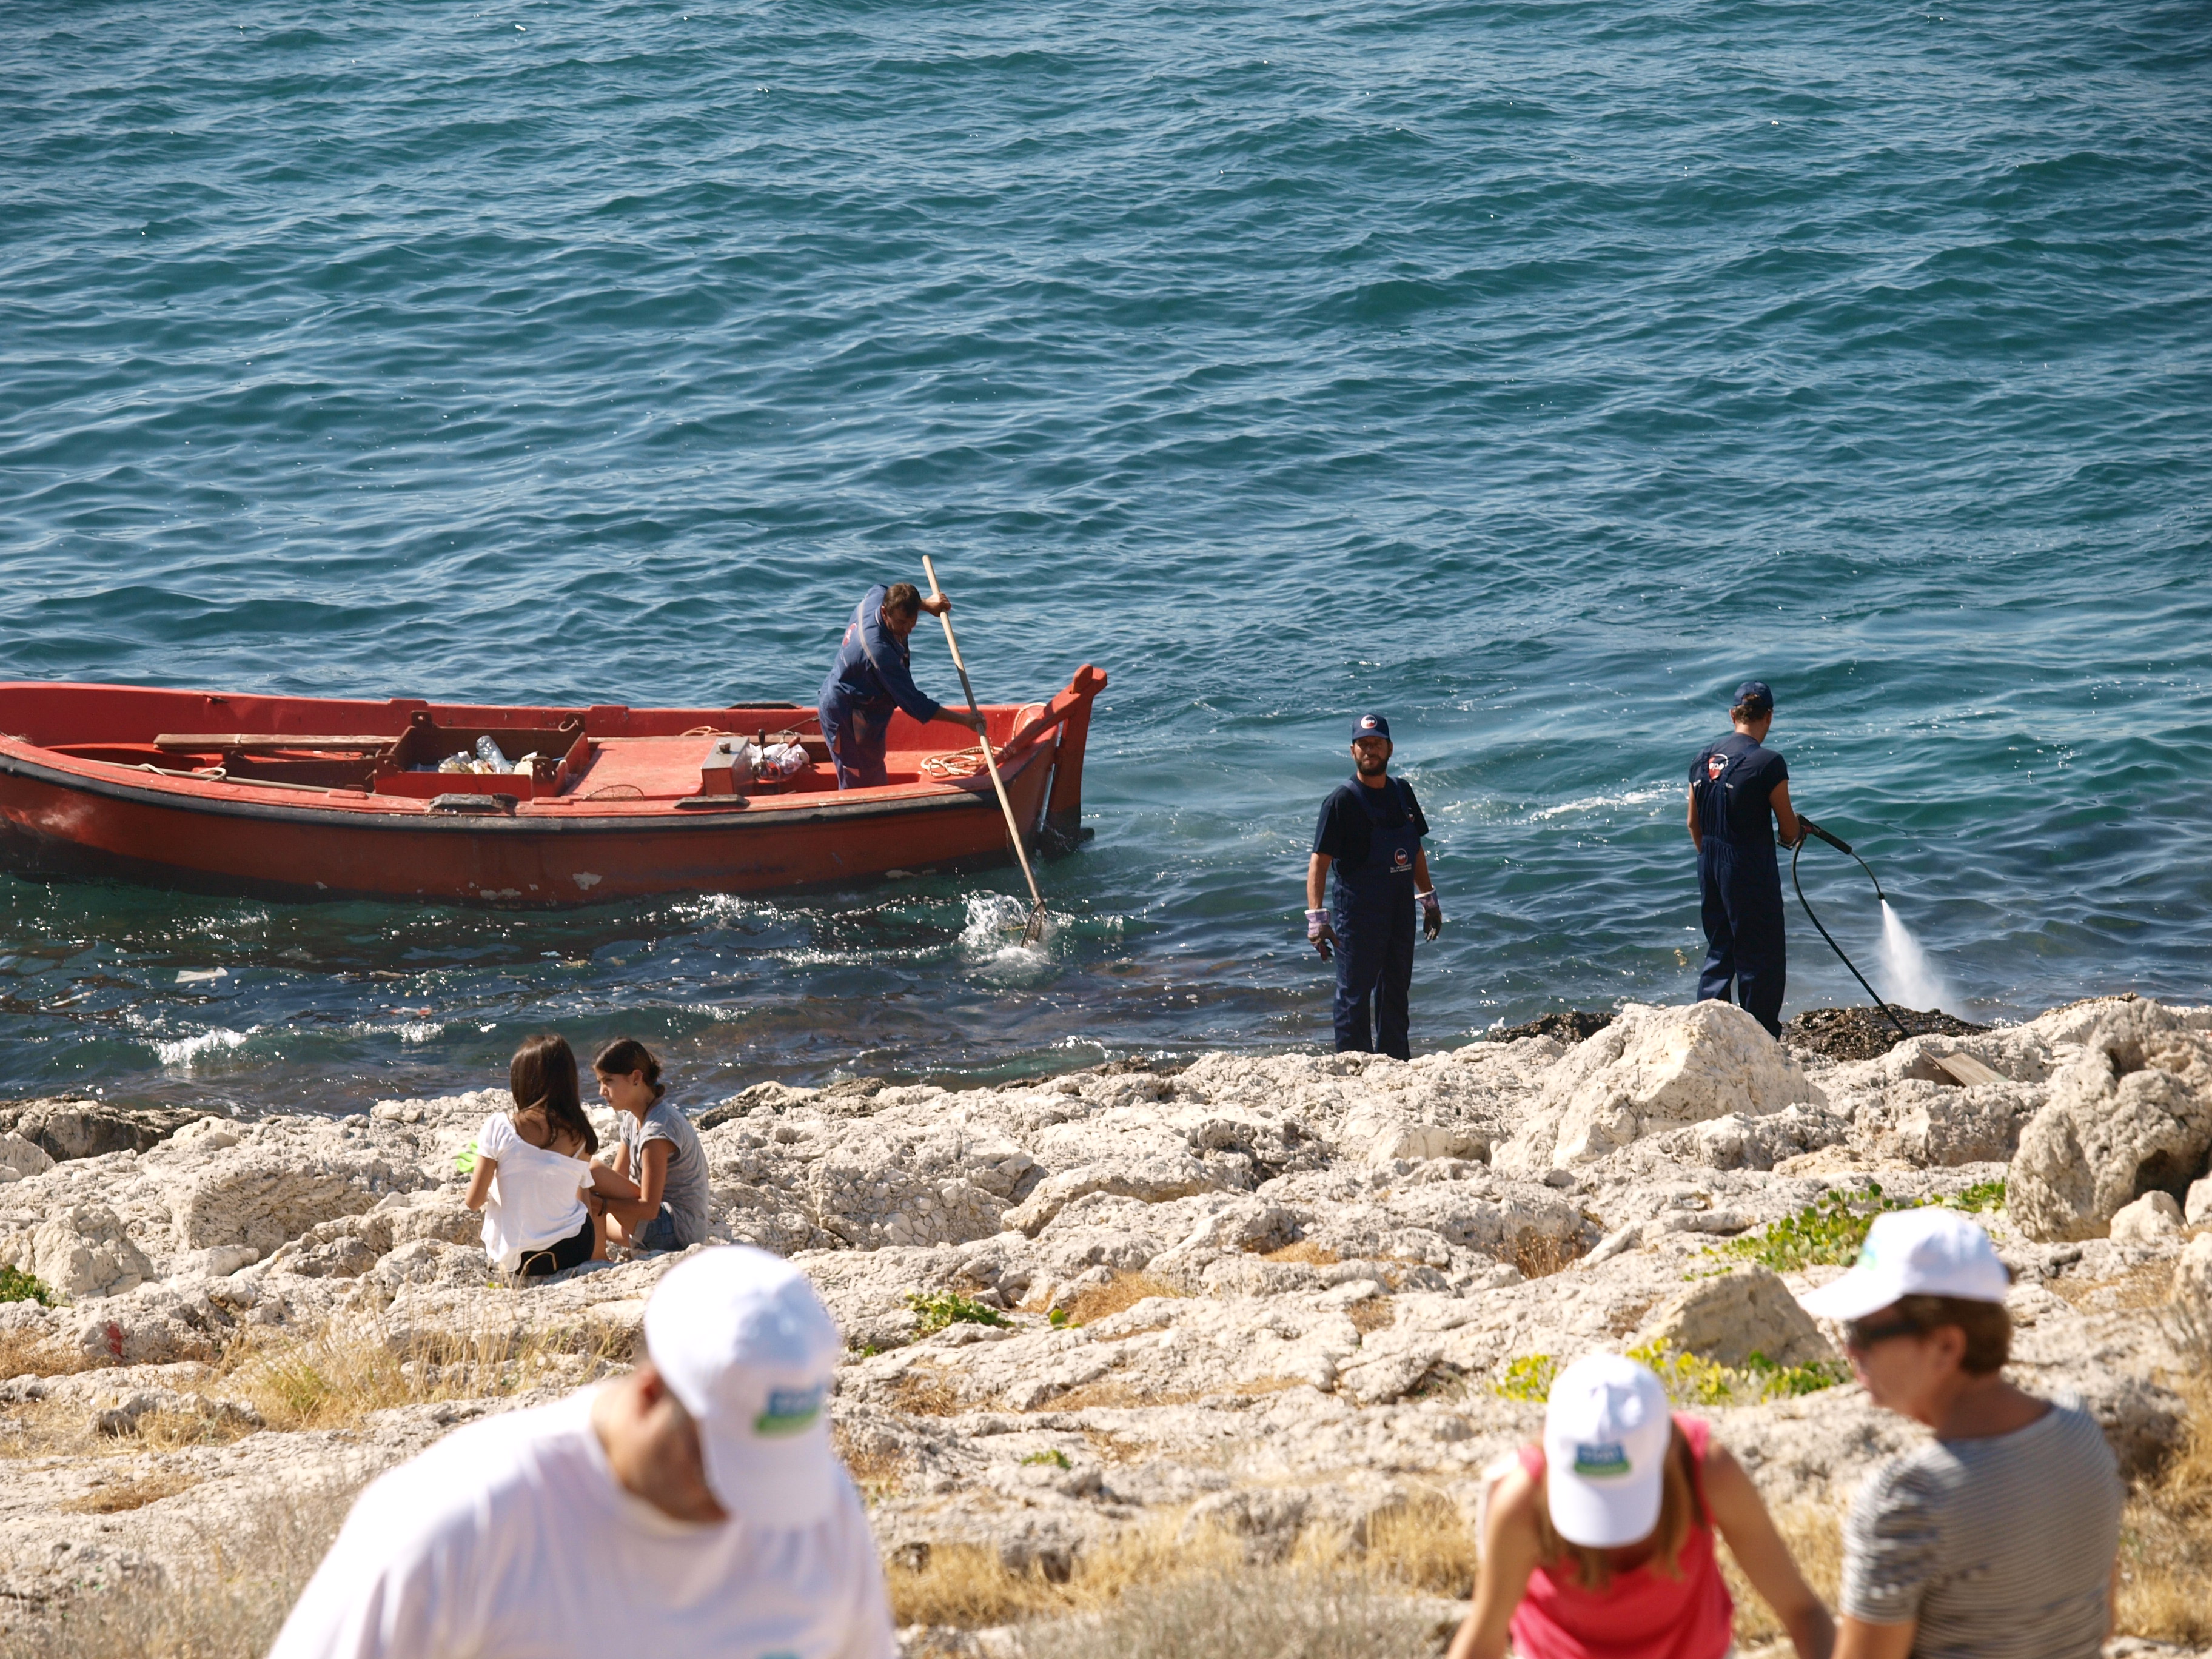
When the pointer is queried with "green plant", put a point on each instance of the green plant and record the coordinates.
(1057, 1319)
(1825, 1233)
(1052, 1456)
(16, 1285)
(1528, 1378)
(1693, 1380)
(932, 1313)
(1778, 1382)
(1830, 1231)
(1982, 1195)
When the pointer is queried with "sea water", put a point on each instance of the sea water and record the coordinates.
(1529, 375)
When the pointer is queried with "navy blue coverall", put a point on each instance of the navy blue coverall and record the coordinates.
(1373, 913)
(869, 679)
(1739, 878)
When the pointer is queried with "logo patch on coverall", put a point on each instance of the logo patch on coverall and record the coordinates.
(1401, 860)
(1715, 765)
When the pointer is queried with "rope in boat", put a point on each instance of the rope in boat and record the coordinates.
(957, 763)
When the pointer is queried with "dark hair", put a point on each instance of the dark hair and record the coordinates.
(902, 599)
(1986, 1325)
(1681, 1506)
(626, 1055)
(544, 1074)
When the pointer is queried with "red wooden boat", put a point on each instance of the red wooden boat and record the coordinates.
(310, 797)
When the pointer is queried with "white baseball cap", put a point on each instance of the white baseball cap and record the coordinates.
(1923, 1252)
(745, 1344)
(1606, 1428)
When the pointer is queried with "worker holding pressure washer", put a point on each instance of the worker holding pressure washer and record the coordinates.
(1370, 833)
(1738, 794)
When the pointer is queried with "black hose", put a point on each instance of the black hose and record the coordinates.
(1811, 828)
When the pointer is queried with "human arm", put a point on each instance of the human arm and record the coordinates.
(1509, 1551)
(652, 1180)
(480, 1181)
(1697, 835)
(1433, 909)
(938, 606)
(1741, 1517)
(1855, 1638)
(1318, 930)
(1785, 816)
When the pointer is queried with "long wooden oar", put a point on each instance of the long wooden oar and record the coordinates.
(1034, 930)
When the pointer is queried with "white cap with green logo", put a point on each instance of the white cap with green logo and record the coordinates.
(745, 1344)
(1606, 1427)
(1923, 1252)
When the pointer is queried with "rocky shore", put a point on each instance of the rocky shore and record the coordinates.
(1288, 1306)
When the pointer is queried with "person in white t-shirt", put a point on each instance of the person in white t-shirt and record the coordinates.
(693, 1507)
(533, 1177)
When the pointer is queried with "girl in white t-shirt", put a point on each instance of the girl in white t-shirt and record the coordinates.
(533, 1178)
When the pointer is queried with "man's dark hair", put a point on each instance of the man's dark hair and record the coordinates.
(902, 599)
(1986, 1325)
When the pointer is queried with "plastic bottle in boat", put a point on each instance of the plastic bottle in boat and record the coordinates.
(494, 758)
(777, 760)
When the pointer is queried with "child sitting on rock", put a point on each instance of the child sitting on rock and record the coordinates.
(532, 1178)
(660, 1157)
(1598, 1544)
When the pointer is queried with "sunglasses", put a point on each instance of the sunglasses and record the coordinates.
(1858, 1334)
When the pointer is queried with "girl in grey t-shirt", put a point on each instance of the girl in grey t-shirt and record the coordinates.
(659, 1153)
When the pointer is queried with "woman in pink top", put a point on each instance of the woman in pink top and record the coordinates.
(1599, 1544)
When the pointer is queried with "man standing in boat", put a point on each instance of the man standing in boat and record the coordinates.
(1370, 833)
(870, 678)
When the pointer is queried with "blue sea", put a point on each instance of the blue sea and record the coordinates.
(1531, 373)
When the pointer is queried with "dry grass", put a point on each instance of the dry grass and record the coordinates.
(226, 1604)
(1815, 1538)
(341, 1374)
(968, 1586)
(21, 1355)
(1538, 1255)
(1424, 1544)
(1129, 1395)
(2146, 1285)
(116, 1497)
(1283, 1613)
(1122, 1292)
(878, 1468)
(924, 1390)
(1377, 1313)
(2165, 1536)
(1306, 1252)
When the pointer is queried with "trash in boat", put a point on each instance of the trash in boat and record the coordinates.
(494, 758)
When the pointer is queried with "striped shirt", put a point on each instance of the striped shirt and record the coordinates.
(2001, 1548)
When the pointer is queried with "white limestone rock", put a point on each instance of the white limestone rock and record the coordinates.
(1730, 1318)
(78, 1250)
(1653, 1070)
(2129, 1112)
(2152, 1219)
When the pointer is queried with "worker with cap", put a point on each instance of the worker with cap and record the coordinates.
(1598, 1542)
(1739, 792)
(872, 677)
(1370, 833)
(2001, 1535)
(694, 1506)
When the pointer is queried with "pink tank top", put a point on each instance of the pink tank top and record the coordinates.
(1641, 1613)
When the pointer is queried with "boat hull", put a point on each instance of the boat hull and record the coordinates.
(62, 816)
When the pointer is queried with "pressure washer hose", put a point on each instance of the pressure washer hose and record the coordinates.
(1843, 847)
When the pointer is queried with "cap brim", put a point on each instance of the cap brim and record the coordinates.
(775, 1484)
(1604, 1517)
(1854, 1296)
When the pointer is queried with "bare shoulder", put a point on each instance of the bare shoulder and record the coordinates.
(1514, 1499)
